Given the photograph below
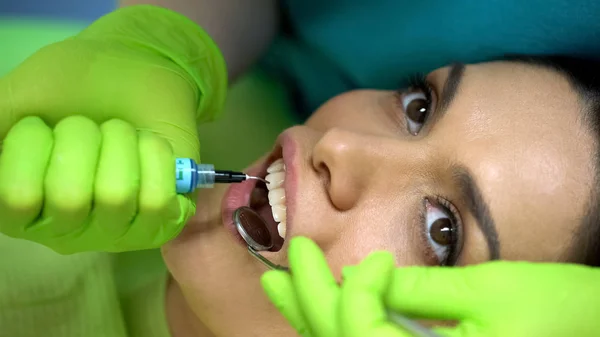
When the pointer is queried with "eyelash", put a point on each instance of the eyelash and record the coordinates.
(419, 81)
(452, 213)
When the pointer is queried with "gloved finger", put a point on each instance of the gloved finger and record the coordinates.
(117, 180)
(368, 282)
(161, 213)
(348, 272)
(280, 290)
(316, 288)
(462, 330)
(7, 116)
(362, 311)
(70, 177)
(23, 161)
(438, 292)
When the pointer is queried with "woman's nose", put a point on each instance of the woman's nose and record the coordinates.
(346, 161)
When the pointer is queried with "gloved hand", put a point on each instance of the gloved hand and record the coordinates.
(140, 79)
(309, 296)
(493, 299)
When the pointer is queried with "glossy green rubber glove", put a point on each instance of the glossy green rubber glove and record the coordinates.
(493, 299)
(139, 79)
(309, 296)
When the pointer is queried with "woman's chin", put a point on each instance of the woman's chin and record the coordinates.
(198, 235)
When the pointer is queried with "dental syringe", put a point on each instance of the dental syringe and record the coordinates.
(190, 176)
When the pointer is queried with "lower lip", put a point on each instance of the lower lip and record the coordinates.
(238, 195)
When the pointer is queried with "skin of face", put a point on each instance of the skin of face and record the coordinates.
(361, 179)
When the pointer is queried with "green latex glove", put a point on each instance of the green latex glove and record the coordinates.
(493, 299)
(140, 79)
(309, 296)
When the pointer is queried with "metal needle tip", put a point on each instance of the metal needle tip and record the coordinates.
(256, 178)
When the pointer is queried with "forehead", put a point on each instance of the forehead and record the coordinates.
(519, 129)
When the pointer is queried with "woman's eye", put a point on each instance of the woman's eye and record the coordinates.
(417, 104)
(443, 232)
(416, 107)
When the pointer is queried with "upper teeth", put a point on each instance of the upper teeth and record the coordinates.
(276, 177)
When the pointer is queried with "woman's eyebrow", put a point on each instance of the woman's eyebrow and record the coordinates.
(471, 193)
(451, 85)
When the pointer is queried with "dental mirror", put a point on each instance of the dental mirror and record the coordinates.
(254, 230)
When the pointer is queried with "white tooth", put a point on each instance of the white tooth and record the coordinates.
(275, 180)
(277, 197)
(279, 213)
(281, 229)
(276, 166)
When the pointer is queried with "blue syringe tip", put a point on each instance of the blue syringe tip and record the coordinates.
(189, 175)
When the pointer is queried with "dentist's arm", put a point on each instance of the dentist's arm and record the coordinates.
(243, 29)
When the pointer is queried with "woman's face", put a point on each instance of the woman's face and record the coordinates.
(478, 162)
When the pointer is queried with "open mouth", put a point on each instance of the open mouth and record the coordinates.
(268, 200)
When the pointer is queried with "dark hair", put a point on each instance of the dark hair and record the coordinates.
(584, 76)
